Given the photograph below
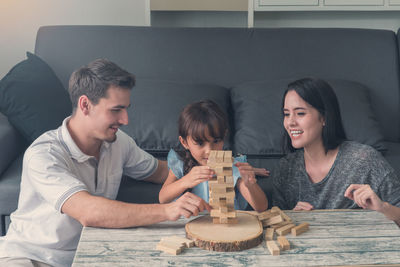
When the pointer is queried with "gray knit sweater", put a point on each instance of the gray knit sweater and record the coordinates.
(355, 164)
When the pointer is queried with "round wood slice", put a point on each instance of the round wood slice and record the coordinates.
(245, 234)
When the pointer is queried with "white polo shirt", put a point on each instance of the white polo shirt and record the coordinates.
(54, 169)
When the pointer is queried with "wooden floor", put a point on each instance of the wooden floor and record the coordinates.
(336, 237)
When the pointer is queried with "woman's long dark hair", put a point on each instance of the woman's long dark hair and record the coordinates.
(197, 120)
(320, 95)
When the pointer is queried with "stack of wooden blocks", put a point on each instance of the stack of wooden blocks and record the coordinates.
(278, 222)
(222, 191)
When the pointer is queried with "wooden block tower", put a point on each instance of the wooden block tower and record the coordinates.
(222, 191)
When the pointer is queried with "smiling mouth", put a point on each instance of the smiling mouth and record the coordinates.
(296, 133)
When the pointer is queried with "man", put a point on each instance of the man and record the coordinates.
(71, 175)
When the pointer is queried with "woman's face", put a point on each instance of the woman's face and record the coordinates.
(302, 122)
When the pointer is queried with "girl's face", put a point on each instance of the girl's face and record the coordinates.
(302, 122)
(201, 149)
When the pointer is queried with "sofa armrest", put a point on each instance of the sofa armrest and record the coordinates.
(11, 142)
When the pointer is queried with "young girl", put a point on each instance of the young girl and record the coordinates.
(202, 128)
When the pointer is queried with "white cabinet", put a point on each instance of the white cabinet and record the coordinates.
(326, 5)
(353, 2)
(288, 2)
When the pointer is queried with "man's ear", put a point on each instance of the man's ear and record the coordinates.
(183, 142)
(84, 104)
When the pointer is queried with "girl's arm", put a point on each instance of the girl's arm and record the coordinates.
(249, 188)
(173, 187)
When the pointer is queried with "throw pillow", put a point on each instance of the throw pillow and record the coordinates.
(259, 121)
(156, 105)
(33, 98)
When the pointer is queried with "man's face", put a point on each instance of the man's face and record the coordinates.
(109, 114)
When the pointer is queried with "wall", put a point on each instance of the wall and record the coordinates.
(20, 20)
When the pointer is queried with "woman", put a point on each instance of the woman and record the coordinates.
(323, 170)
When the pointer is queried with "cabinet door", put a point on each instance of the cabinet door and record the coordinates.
(288, 2)
(394, 2)
(353, 2)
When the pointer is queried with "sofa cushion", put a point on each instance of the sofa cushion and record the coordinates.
(156, 105)
(258, 116)
(33, 98)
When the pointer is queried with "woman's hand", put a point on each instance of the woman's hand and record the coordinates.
(303, 206)
(247, 173)
(197, 175)
(364, 197)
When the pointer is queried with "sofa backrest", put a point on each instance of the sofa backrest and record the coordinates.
(231, 56)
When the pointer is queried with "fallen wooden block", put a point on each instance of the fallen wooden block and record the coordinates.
(283, 242)
(299, 229)
(266, 215)
(273, 248)
(273, 220)
(169, 247)
(286, 217)
(284, 230)
(269, 234)
(279, 225)
(178, 239)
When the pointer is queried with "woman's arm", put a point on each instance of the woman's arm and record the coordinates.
(249, 188)
(366, 198)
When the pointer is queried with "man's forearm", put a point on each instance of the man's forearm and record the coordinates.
(102, 212)
(116, 214)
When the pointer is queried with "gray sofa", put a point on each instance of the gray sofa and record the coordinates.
(244, 70)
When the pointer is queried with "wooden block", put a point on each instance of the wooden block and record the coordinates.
(299, 229)
(275, 209)
(187, 242)
(223, 209)
(284, 230)
(283, 243)
(278, 225)
(169, 247)
(273, 220)
(217, 213)
(269, 234)
(212, 157)
(227, 195)
(221, 179)
(286, 217)
(266, 215)
(220, 156)
(229, 179)
(228, 156)
(273, 248)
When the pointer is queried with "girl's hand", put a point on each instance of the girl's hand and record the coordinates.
(247, 173)
(197, 175)
(364, 197)
(303, 206)
(261, 171)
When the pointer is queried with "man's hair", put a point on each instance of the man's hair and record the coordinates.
(94, 79)
(320, 95)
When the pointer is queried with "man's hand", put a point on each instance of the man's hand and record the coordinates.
(187, 205)
(364, 197)
(303, 206)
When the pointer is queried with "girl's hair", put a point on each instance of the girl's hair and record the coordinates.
(196, 120)
(320, 95)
